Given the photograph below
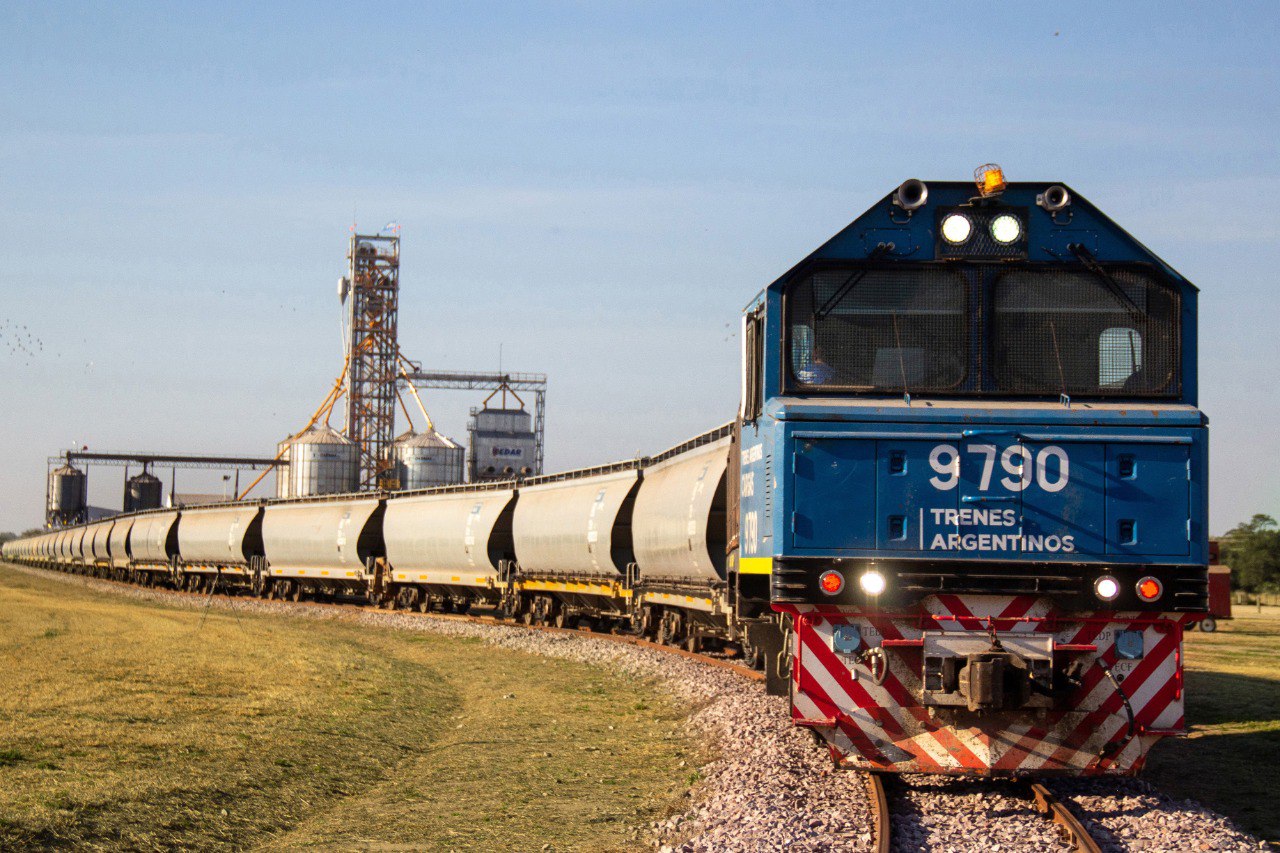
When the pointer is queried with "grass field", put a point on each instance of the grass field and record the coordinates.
(1231, 761)
(126, 724)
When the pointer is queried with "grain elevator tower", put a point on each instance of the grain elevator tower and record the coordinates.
(371, 292)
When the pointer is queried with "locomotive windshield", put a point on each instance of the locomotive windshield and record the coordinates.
(984, 329)
(870, 329)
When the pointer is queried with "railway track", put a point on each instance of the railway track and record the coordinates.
(880, 786)
(1048, 807)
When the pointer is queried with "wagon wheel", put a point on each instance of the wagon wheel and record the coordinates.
(295, 591)
(641, 621)
(1208, 624)
(663, 636)
(693, 642)
(562, 618)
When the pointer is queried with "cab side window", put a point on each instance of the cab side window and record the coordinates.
(753, 365)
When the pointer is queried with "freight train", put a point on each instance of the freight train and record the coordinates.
(959, 519)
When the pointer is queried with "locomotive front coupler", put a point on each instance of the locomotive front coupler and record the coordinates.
(987, 672)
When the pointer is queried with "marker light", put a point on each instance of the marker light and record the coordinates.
(831, 582)
(956, 228)
(990, 179)
(1149, 588)
(872, 582)
(1005, 228)
(1106, 588)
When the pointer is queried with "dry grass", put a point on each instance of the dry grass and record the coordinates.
(131, 725)
(1231, 761)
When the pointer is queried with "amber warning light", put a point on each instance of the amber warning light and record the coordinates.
(990, 179)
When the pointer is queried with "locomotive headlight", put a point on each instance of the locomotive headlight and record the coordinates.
(1106, 588)
(956, 228)
(1006, 229)
(872, 582)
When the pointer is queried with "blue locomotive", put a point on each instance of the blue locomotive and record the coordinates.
(974, 477)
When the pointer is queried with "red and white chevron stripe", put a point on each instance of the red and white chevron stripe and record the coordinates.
(886, 726)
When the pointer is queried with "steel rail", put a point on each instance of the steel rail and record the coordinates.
(878, 797)
(1047, 806)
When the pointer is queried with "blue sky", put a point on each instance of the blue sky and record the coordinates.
(598, 187)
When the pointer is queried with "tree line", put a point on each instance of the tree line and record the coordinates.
(1252, 550)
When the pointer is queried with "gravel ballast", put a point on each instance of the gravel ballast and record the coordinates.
(771, 786)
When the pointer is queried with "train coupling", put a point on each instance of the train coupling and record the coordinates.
(994, 672)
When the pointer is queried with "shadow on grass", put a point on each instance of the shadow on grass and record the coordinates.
(1231, 762)
(1220, 698)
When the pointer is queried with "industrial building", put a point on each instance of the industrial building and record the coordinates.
(505, 437)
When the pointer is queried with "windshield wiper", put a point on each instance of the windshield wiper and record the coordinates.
(1091, 264)
(851, 282)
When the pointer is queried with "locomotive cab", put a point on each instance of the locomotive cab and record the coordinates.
(974, 477)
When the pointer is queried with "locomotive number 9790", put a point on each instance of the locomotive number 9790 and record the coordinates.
(1018, 461)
